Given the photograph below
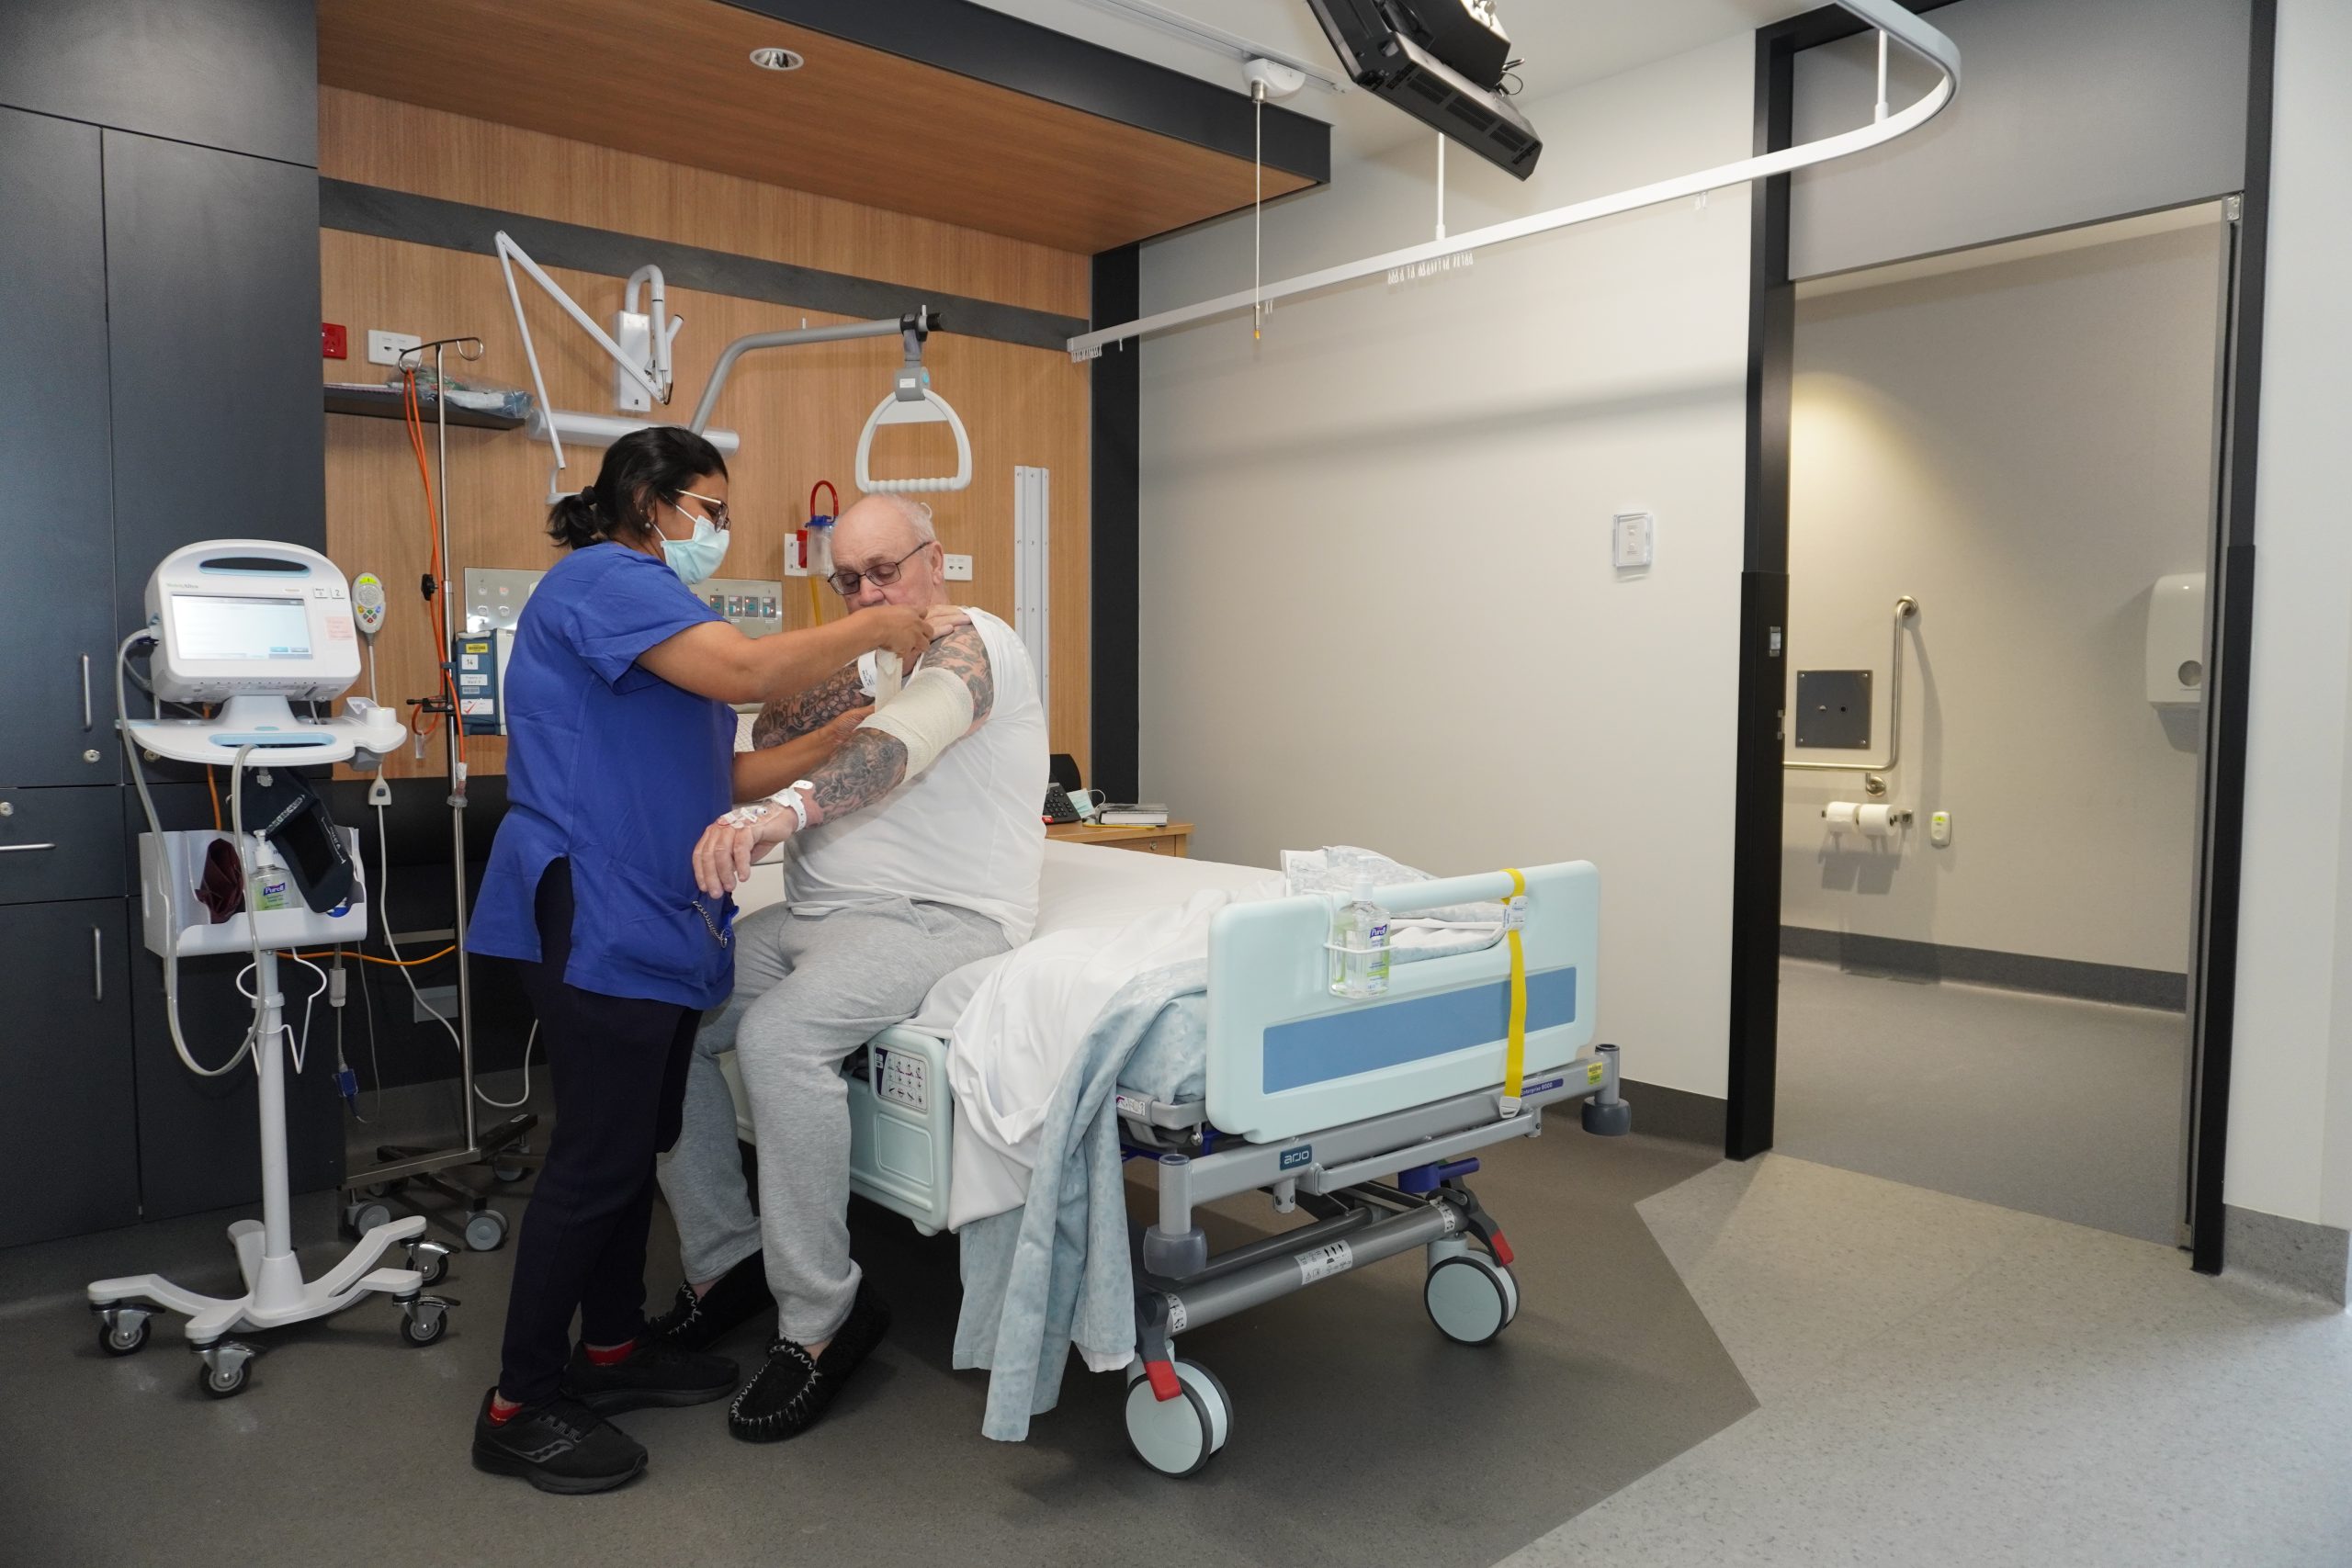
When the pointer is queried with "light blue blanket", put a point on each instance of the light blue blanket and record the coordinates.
(1054, 1273)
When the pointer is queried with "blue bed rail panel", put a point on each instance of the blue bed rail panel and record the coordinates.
(1342, 1045)
(1286, 1056)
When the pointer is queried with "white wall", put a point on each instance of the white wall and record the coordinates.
(2025, 447)
(2291, 1098)
(1378, 603)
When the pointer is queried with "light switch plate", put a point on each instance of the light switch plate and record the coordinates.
(1634, 540)
(959, 568)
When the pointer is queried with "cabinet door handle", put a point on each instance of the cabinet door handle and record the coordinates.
(86, 720)
(97, 965)
(20, 849)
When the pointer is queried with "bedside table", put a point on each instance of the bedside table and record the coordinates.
(1174, 839)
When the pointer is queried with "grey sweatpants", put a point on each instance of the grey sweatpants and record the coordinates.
(809, 990)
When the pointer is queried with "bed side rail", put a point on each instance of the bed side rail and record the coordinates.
(1286, 1056)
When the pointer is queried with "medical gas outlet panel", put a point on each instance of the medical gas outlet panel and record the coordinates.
(494, 600)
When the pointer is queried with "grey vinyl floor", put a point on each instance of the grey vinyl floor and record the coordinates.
(2067, 1108)
(1359, 1436)
(1948, 1383)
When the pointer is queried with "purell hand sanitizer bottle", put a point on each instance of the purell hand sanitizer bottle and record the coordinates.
(1359, 947)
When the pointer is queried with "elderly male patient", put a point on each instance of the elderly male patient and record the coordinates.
(913, 851)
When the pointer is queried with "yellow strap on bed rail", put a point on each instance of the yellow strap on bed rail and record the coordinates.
(1515, 1051)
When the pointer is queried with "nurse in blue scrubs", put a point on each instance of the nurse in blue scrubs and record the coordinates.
(620, 751)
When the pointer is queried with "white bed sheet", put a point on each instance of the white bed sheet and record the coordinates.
(1090, 885)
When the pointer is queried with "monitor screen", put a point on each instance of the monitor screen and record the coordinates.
(219, 626)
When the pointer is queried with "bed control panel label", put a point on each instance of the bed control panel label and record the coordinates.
(898, 1078)
(1298, 1159)
(1325, 1261)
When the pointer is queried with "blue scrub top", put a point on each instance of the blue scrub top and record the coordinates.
(619, 771)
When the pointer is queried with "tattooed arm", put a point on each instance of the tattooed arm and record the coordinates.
(867, 766)
(871, 762)
(793, 739)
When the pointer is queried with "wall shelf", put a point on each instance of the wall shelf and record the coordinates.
(384, 403)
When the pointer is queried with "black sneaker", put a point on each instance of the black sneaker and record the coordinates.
(786, 1395)
(696, 1323)
(560, 1445)
(653, 1374)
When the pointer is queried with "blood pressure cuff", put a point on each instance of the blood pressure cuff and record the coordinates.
(931, 713)
(289, 813)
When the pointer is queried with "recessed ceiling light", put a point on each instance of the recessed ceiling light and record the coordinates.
(777, 59)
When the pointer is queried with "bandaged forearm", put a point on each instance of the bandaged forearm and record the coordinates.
(931, 713)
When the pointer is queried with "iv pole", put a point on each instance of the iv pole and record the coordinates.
(423, 1164)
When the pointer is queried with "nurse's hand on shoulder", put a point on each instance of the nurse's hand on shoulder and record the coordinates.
(897, 629)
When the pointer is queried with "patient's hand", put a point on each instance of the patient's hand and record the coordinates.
(723, 857)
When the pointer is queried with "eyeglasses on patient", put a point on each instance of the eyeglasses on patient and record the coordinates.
(881, 575)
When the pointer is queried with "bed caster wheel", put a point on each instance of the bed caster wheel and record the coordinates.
(1178, 1437)
(358, 1219)
(386, 1188)
(485, 1231)
(227, 1369)
(1471, 1298)
(123, 1331)
(506, 1172)
(1609, 1121)
(431, 1261)
(424, 1320)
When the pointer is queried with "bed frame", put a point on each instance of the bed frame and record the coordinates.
(1317, 1100)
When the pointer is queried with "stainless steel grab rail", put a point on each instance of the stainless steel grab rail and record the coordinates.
(1904, 608)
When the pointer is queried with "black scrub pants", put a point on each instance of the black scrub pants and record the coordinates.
(618, 1066)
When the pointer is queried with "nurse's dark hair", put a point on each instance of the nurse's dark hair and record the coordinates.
(641, 469)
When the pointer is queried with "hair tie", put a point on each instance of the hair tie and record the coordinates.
(588, 494)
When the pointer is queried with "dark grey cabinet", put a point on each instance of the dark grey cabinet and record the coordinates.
(59, 843)
(57, 636)
(70, 1159)
(241, 74)
(212, 291)
(159, 230)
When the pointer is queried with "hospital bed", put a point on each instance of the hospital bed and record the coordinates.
(1367, 1114)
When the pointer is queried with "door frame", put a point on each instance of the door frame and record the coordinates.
(1754, 1037)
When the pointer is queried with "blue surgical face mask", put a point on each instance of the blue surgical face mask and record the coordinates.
(698, 558)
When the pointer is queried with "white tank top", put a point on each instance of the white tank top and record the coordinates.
(967, 833)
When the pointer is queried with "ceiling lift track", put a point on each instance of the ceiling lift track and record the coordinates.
(1886, 15)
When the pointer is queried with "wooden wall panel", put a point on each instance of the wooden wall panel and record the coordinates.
(399, 146)
(797, 410)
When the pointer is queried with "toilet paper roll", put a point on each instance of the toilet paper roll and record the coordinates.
(1841, 814)
(1875, 821)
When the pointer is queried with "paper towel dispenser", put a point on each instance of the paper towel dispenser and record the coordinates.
(2177, 640)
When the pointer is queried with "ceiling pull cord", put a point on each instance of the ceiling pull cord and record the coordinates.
(1258, 213)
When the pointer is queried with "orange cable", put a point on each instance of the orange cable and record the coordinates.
(391, 962)
(413, 416)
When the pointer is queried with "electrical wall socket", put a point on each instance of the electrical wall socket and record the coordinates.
(386, 348)
(959, 568)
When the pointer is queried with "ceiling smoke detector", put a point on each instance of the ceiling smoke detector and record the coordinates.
(773, 59)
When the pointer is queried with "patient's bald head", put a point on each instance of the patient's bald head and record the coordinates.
(884, 533)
